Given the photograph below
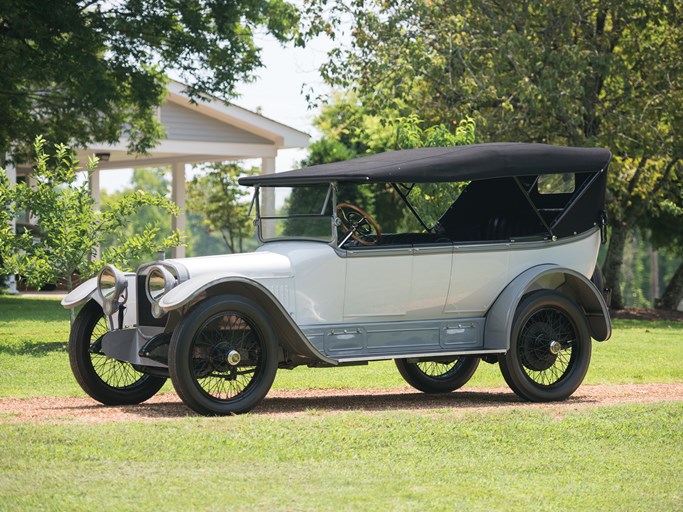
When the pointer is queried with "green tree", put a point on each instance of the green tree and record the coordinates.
(222, 203)
(200, 241)
(69, 229)
(582, 73)
(152, 181)
(665, 227)
(79, 71)
(156, 180)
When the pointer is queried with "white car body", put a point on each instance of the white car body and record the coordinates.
(360, 287)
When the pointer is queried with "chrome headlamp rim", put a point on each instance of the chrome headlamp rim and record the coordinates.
(111, 284)
(162, 276)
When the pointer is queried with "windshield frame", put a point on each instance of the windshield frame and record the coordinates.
(331, 196)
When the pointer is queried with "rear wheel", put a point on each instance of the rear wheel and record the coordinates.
(438, 376)
(107, 380)
(223, 356)
(550, 348)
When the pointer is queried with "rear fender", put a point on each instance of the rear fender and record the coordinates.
(500, 316)
(187, 294)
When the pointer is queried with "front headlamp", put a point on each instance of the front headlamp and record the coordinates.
(158, 283)
(111, 283)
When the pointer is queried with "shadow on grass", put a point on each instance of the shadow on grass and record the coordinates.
(33, 348)
(386, 402)
(408, 401)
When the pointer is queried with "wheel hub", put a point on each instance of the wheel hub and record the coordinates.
(234, 358)
(539, 352)
(555, 347)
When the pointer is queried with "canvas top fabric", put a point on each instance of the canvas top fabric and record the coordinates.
(445, 164)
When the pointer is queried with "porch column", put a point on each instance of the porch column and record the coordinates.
(12, 175)
(178, 197)
(94, 185)
(268, 197)
(95, 188)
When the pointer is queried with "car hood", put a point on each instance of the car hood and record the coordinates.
(261, 264)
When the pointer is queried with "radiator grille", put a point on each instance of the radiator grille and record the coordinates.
(145, 307)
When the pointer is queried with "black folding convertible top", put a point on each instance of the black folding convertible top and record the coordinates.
(459, 163)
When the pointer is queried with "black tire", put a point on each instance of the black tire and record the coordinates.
(438, 376)
(530, 368)
(200, 348)
(107, 380)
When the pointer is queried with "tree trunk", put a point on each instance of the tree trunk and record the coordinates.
(674, 291)
(611, 269)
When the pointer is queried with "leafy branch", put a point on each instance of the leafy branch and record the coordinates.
(68, 230)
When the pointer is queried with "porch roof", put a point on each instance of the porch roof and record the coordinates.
(206, 131)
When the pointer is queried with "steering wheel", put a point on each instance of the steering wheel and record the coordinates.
(359, 224)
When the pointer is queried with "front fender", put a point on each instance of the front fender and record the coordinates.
(290, 336)
(188, 291)
(82, 294)
(88, 291)
(501, 315)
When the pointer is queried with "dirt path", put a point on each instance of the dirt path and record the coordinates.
(329, 401)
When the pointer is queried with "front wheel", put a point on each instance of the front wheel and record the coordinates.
(550, 348)
(223, 356)
(107, 380)
(438, 376)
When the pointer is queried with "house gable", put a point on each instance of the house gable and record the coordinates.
(183, 123)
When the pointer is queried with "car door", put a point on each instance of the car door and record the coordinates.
(430, 280)
(478, 275)
(378, 282)
(399, 283)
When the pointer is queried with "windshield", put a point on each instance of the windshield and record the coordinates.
(307, 212)
(296, 213)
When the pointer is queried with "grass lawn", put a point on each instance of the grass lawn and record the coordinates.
(618, 457)
(608, 458)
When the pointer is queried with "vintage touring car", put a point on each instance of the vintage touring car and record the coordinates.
(494, 260)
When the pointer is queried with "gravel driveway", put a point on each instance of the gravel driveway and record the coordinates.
(331, 401)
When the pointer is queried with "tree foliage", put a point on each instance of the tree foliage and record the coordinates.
(69, 228)
(156, 180)
(79, 71)
(222, 203)
(153, 181)
(582, 73)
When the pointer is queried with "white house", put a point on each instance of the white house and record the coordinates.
(206, 131)
(210, 131)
